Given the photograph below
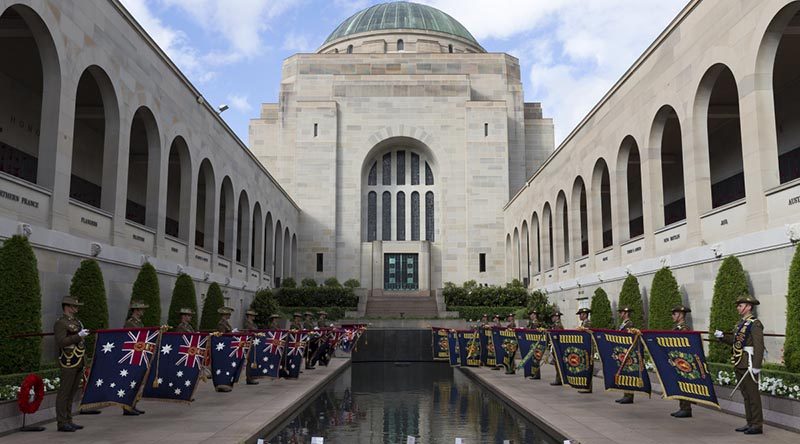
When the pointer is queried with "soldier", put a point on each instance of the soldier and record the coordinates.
(250, 320)
(496, 321)
(224, 324)
(313, 339)
(273, 322)
(484, 322)
(186, 321)
(584, 323)
(625, 317)
(297, 322)
(69, 333)
(322, 321)
(533, 319)
(511, 322)
(135, 321)
(679, 318)
(308, 322)
(555, 320)
(748, 353)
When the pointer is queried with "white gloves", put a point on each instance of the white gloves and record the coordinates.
(235, 330)
(756, 371)
(83, 333)
(719, 334)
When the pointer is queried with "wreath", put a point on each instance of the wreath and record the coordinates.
(29, 402)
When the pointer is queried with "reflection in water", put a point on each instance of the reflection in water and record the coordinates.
(386, 403)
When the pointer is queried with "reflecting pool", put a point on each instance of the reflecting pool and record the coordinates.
(387, 402)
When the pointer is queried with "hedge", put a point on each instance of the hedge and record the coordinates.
(308, 282)
(265, 305)
(791, 348)
(316, 297)
(183, 296)
(469, 295)
(21, 302)
(475, 312)
(288, 283)
(214, 301)
(334, 313)
(630, 296)
(664, 295)
(146, 289)
(88, 287)
(730, 283)
(352, 283)
(332, 282)
(601, 310)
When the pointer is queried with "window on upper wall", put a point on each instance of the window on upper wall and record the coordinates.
(428, 174)
(316, 130)
(373, 175)
(319, 262)
(387, 169)
(450, 49)
(414, 169)
(485, 130)
(401, 167)
(401, 45)
(349, 49)
(482, 262)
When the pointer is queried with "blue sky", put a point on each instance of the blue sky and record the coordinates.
(571, 51)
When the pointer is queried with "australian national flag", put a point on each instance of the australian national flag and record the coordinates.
(622, 354)
(228, 356)
(266, 354)
(296, 348)
(121, 360)
(181, 359)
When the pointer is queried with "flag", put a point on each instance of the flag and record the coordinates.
(266, 353)
(470, 345)
(622, 355)
(228, 356)
(532, 345)
(121, 361)
(574, 356)
(681, 365)
(487, 348)
(439, 344)
(497, 345)
(452, 347)
(352, 332)
(179, 363)
(295, 349)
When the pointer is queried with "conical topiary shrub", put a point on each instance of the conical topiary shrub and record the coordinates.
(213, 302)
(631, 296)
(664, 295)
(601, 310)
(146, 289)
(791, 348)
(538, 301)
(88, 287)
(731, 283)
(183, 296)
(21, 302)
(265, 305)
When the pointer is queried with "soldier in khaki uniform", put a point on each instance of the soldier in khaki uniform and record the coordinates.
(533, 319)
(224, 326)
(626, 323)
(273, 322)
(584, 323)
(250, 320)
(679, 318)
(555, 320)
(322, 320)
(512, 323)
(297, 322)
(68, 332)
(747, 340)
(313, 339)
(186, 321)
(135, 321)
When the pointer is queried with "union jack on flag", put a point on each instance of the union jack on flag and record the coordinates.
(228, 356)
(294, 357)
(121, 361)
(178, 366)
(266, 354)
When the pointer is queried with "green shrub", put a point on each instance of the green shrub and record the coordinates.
(183, 296)
(475, 312)
(538, 301)
(265, 305)
(214, 301)
(352, 283)
(288, 283)
(88, 287)
(316, 297)
(470, 295)
(630, 296)
(730, 283)
(791, 348)
(15, 379)
(334, 313)
(308, 283)
(664, 295)
(21, 302)
(767, 371)
(146, 289)
(332, 282)
(601, 310)
(515, 283)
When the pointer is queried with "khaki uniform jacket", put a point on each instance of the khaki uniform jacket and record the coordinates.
(626, 324)
(558, 326)
(323, 323)
(533, 324)
(133, 323)
(511, 324)
(295, 326)
(223, 326)
(68, 343)
(681, 326)
(249, 325)
(587, 323)
(308, 325)
(184, 327)
(755, 339)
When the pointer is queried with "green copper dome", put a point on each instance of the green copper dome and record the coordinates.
(401, 15)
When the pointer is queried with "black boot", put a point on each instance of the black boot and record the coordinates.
(754, 431)
(682, 414)
(743, 428)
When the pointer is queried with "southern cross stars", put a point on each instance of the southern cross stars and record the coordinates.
(121, 393)
(108, 347)
(166, 349)
(123, 373)
(220, 346)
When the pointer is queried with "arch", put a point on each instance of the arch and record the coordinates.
(32, 85)
(269, 245)
(670, 203)
(287, 253)
(602, 222)
(277, 269)
(562, 228)
(401, 216)
(206, 199)
(95, 139)
(525, 258)
(386, 216)
(225, 219)
(450, 48)
(372, 216)
(401, 45)
(509, 265)
(243, 229)
(257, 238)
(430, 217)
(547, 221)
(294, 255)
(179, 179)
(349, 49)
(719, 136)
(630, 207)
(415, 216)
(144, 168)
(537, 258)
(515, 254)
(579, 218)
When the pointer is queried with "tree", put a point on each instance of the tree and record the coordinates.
(664, 295)
(730, 283)
(214, 301)
(88, 287)
(601, 310)
(791, 348)
(630, 296)
(21, 302)
(265, 305)
(146, 289)
(308, 282)
(538, 301)
(183, 296)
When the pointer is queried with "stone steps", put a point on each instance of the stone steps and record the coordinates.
(402, 304)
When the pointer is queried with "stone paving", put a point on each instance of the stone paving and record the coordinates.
(595, 418)
(212, 418)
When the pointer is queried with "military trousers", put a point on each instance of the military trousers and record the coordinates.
(70, 383)
(752, 398)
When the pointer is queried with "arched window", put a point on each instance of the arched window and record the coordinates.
(257, 237)
(144, 162)
(372, 216)
(428, 174)
(179, 173)
(415, 216)
(401, 167)
(786, 94)
(562, 219)
(401, 46)
(401, 216)
(601, 195)
(547, 219)
(225, 234)
(243, 228)
(450, 49)
(386, 216)
(538, 244)
(204, 216)
(631, 191)
(429, 217)
(414, 169)
(373, 175)
(277, 266)
(386, 178)
(349, 49)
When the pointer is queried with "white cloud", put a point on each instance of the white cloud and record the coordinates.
(500, 19)
(240, 103)
(297, 43)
